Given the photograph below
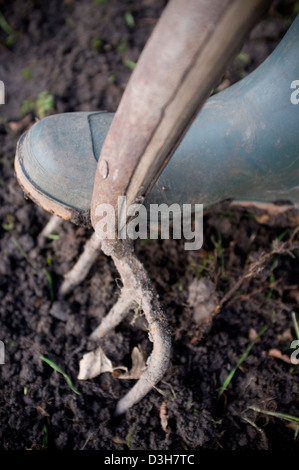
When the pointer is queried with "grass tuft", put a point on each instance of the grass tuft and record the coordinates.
(277, 414)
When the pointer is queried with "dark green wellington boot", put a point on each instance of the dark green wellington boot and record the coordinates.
(243, 145)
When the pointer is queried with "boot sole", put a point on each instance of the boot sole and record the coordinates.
(39, 197)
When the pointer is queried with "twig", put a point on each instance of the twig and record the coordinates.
(254, 269)
(260, 431)
(258, 265)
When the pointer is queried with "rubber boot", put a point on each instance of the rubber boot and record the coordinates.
(243, 145)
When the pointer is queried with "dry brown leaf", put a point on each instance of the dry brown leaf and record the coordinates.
(164, 417)
(17, 126)
(285, 336)
(94, 363)
(118, 440)
(41, 410)
(252, 335)
(278, 355)
(292, 426)
(294, 294)
(138, 365)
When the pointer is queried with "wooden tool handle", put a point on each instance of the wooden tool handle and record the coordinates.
(184, 58)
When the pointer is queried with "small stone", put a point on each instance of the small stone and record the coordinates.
(59, 310)
(202, 297)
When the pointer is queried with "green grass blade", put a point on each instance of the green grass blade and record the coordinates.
(11, 34)
(130, 64)
(45, 437)
(23, 252)
(53, 236)
(51, 286)
(5, 26)
(58, 369)
(295, 323)
(277, 414)
(240, 361)
(129, 19)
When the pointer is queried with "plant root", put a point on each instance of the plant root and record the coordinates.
(52, 225)
(117, 313)
(137, 289)
(80, 270)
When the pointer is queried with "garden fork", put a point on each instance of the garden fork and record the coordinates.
(184, 58)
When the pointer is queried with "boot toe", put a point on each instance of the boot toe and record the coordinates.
(57, 158)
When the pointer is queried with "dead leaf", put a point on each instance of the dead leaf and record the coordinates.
(252, 335)
(94, 363)
(41, 410)
(278, 355)
(118, 440)
(18, 126)
(292, 426)
(285, 336)
(138, 365)
(164, 417)
(294, 295)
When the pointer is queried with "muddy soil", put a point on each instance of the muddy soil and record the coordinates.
(82, 54)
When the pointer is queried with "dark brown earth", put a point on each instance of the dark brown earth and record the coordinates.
(80, 52)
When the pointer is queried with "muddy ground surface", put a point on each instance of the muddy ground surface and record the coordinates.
(81, 53)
